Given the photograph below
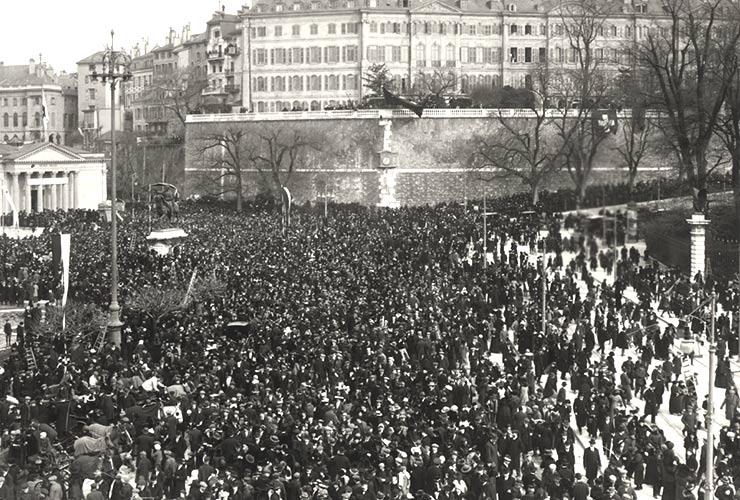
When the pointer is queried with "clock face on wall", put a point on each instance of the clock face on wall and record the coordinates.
(386, 160)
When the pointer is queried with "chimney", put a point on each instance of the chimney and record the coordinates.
(32, 67)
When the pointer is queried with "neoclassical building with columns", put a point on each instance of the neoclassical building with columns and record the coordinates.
(48, 176)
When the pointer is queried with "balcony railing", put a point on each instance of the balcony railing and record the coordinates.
(214, 55)
(421, 63)
(374, 114)
(232, 89)
(233, 51)
(436, 64)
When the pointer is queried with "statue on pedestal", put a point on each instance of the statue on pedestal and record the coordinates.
(164, 198)
(701, 203)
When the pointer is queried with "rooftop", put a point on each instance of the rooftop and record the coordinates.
(25, 74)
(10, 153)
(195, 39)
(437, 6)
(163, 48)
(93, 58)
(222, 17)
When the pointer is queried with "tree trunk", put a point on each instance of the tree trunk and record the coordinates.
(736, 188)
(239, 194)
(631, 185)
(580, 192)
(535, 192)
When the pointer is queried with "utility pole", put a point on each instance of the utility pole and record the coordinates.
(616, 251)
(544, 288)
(603, 218)
(485, 232)
(465, 191)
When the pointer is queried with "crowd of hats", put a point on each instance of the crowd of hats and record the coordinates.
(375, 359)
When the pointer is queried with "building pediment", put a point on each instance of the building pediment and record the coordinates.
(42, 153)
(436, 6)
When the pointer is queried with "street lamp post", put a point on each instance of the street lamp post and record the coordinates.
(710, 403)
(116, 68)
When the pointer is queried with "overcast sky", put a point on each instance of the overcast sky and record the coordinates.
(66, 31)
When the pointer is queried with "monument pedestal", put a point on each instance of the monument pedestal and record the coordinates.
(105, 209)
(163, 241)
(388, 177)
(698, 224)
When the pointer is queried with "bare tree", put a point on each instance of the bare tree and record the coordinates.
(686, 54)
(637, 141)
(279, 149)
(583, 81)
(156, 303)
(223, 154)
(432, 87)
(526, 148)
(179, 93)
(728, 124)
(79, 318)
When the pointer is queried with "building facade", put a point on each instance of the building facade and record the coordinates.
(94, 100)
(312, 55)
(137, 91)
(23, 90)
(224, 37)
(47, 176)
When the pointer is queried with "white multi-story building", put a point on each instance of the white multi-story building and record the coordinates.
(224, 55)
(23, 89)
(313, 54)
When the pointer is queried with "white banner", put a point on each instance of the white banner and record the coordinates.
(9, 200)
(66, 241)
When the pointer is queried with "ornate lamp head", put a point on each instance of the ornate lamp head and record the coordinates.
(115, 66)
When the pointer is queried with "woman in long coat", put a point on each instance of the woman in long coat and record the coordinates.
(676, 401)
(652, 468)
(730, 403)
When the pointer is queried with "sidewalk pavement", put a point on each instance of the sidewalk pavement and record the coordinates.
(670, 424)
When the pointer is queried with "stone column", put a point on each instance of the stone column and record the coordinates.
(76, 190)
(70, 192)
(3, 203)
(27, 200)
(40, 198)
(65, 192)
(388, 177)
(698, 225)
(53, 192)
(16, 191)
(387, 167)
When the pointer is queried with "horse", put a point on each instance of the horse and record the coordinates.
(166, 411)
(87, 445)
(167, 205)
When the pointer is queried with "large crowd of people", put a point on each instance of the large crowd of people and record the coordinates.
(367, 356)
